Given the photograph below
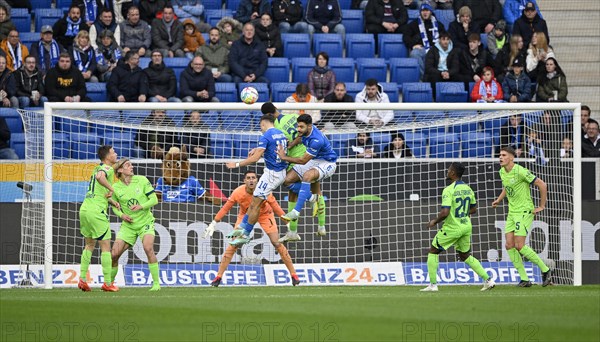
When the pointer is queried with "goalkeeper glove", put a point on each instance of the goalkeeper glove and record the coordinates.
(210, 230)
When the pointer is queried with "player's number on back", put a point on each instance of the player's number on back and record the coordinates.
(463, 207)
(293, 132)
(92, 183)
(280, 143)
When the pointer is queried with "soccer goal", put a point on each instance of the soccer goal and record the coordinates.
(377, 203)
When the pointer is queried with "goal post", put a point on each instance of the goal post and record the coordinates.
(389, 241)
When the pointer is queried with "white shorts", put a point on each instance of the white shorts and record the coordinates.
(325, 168)
(269, 181)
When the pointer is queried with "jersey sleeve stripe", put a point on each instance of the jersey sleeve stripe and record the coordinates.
(149, 193)
(445, 207)
(533, 181)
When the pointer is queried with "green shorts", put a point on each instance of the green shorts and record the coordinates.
(519, 223)
(459, 238)
(130, 236)
(94, 224)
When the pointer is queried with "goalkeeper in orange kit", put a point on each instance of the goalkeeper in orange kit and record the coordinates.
(243, 196)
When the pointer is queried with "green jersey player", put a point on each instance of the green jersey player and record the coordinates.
(288, 125)
(458, 204)
(136, 196)
(93, 218)
(516, 181)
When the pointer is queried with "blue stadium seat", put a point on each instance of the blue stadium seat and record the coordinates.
(17, 143)
(262, 88)
(444, 145)
(243, 143)
(232, 4)
(212, 4)
(212, 119)
(296, 44)
(63, 3)
(13, 119)
(428, 117)
(21, 19)
(359, 45)
(445, 17)
(484, 40)
(417, 142)
(236, 120)
(61, 148)
(278, 69)
(391, 89)
(226, 92)
(214, 15)
(134, 117)
(47, 16)
(344, 4)
(340, 142)
(39, 4)
(471, 86)
(451, 92)
(97, 91)
(145, 62)
(329, 42)
(413, 14)
(354, 88)
(281, 91)
(105, 116)
(177, 116)
(493, 127)
(206, 37)
(221, 145)
(469, 127)
(301, 66)
(343, 69)
(391, 45)
(371, 68)
(381, 140)
(85, 146)
(353, 21)
(403, 70)
(177, 64)
(72, 126)
(416, 92)
(403, 117)
(122, 142)
(532, 118)
(28, 38)
(476, 144)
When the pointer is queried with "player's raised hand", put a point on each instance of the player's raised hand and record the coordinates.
(136, 207)
(127, 218)
(210, 230)
(431, 224)
(231, 165)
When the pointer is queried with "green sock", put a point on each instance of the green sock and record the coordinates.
(321, 212)
(293, 224)
(154, 272)
(86, 259)
(113, 273)
(106, 261)
(476, 266)
(532, 256)
(432, 267)
(517, 261)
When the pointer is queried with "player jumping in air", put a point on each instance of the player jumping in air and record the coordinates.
(287, 124)
(458, 204)
(316, 164)
(243, 196)
(93, 218)
(136, 196)
(515, 182)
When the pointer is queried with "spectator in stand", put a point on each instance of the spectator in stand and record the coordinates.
(497, 38)
(516, 85)
(84, 57)
(362, 146)
(105, 21)
(461, 29)
(66, 29)
(251, 10)
(552, 85)
(193, 39)
(441, 62)
(46, 50)
(248, 58)
(216, 56)
(397, 148)
(472, 61)
(135, 33)
(5, 151)
(167, 34)
(269, 35)
(8, 87)
(64, 83)
(385, 16)
(373, 93)
(6, 24)
(196, 83)
(231, 29)
(154, 143)
(128, 83)
(513, 9)
(108, 55)
(321, 79)
(551, 133)
(422, 34)
(288, 16)
(338, 118)
(162, 84)
(324, 16)
(529, 23)
(30, 85)
(586, 113)
(507, 55)
(538, 52)
(120, 8)
(196, 142)
(566, 150)
(590, 147)
(303, 95)
(14, 50)
(189, 9)
(149, 9)
(487, 89)
(486, 13)
(513, 134)
(90, 10)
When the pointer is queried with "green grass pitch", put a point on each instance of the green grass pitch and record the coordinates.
(456, 313)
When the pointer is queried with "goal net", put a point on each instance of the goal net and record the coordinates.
(387, 186)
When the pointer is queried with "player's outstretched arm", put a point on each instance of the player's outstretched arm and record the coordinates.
(258, 153)
(499, 199)
(210, 230)
(440, 217)
(210, 198)
(302, 160)
(101, 178)
(543, 194)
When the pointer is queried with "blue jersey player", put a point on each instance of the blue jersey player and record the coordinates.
(273, 175)
(317, 163)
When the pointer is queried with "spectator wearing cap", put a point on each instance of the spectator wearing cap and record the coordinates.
(516, 85)
(46, 51)
(167, 34)
(513, 9)
(497, 38)
(162, 84)
(105, 21)
(14, 50)
(529, 23)
(461, 29)
(486, 13)
(108, 55)
(66, 28)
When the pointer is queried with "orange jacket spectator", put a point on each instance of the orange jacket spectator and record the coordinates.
(14, 57)
(192, 38)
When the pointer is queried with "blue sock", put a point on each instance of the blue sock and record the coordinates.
(303, 196)
(295, 188)
(247, 227)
